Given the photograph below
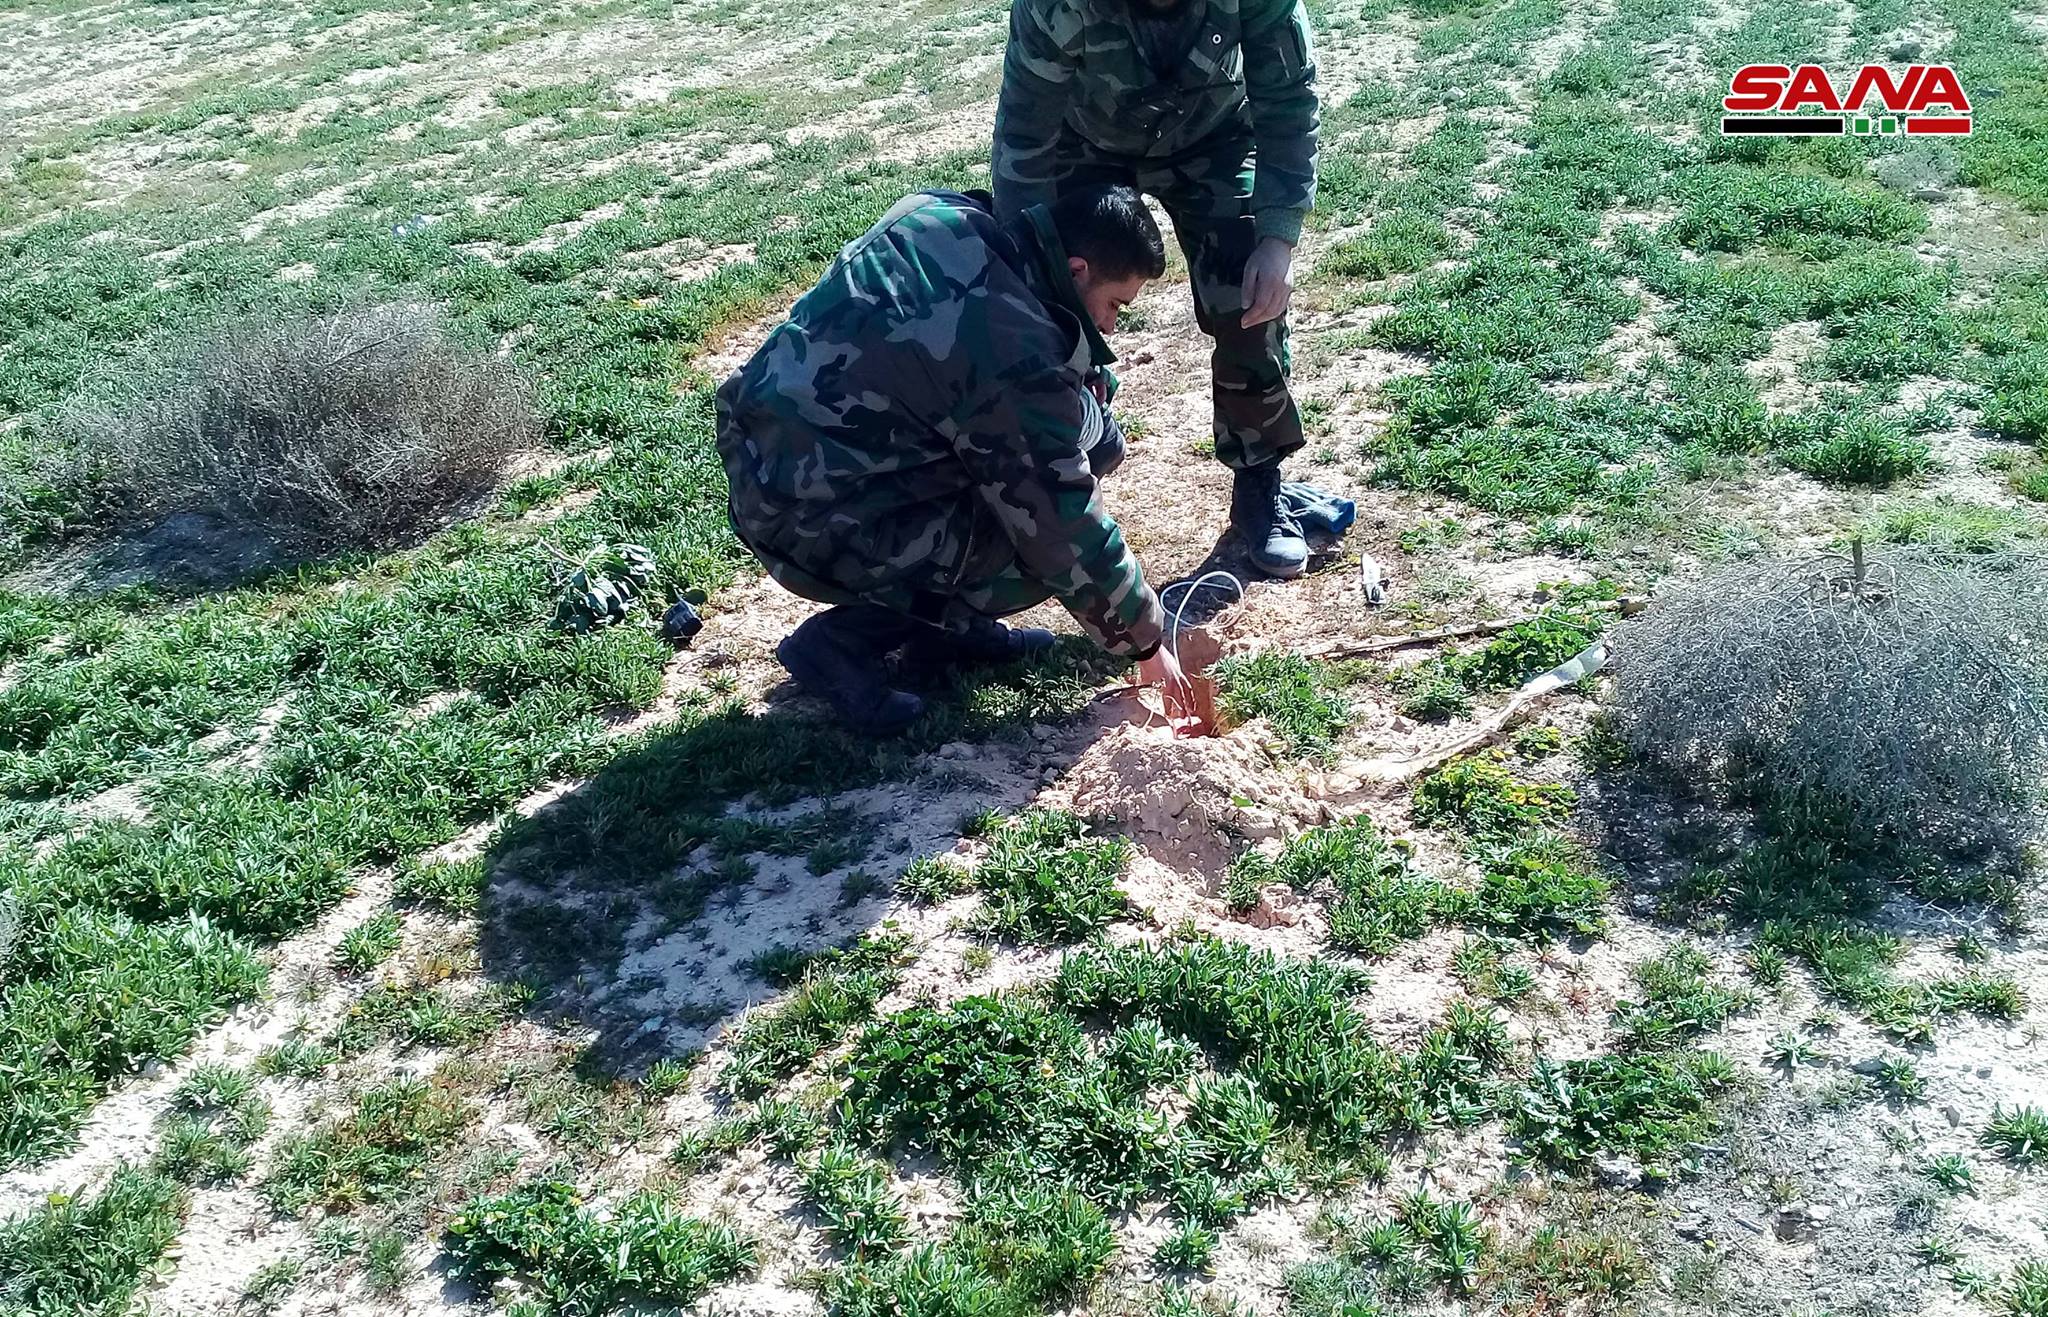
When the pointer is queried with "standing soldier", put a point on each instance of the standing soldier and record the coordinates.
(919, 445)
(1210, 106)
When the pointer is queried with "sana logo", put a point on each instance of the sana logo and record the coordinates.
(1781, 100)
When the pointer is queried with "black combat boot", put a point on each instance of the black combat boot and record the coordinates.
(838, 657)
(1271, 533)
(984, 642)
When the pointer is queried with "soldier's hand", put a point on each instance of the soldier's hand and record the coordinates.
(1268, 281)
(1163, 670)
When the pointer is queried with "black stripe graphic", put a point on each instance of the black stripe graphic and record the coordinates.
(1785, 124)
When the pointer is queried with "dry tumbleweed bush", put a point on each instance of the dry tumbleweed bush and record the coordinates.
(352, 428)
(1910, 692)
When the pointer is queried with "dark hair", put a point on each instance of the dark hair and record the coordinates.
(1109, 228)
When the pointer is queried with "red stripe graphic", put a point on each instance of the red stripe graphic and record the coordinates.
(1938, 123)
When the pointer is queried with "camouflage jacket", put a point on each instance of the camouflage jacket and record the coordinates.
(921, 422)
(1078, 64)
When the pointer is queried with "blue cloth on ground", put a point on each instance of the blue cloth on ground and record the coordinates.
(1318, 509)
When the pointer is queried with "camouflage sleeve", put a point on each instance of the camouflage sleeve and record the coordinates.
(1026, 445)
(1029, 112)
(1280, 84)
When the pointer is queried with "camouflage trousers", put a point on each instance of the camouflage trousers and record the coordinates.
(1207, 192)
(953, 606)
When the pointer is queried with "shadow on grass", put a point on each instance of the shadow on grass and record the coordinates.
(623, 903)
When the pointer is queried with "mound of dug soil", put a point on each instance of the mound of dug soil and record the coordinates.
(1190, 802)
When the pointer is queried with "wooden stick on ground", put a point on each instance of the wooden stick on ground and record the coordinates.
(1627, 606)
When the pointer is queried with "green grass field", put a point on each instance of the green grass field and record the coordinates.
(368, 943)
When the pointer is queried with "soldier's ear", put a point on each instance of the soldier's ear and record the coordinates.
(1078, 268)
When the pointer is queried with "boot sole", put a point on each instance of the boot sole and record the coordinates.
(813, 683)
(1285, 571)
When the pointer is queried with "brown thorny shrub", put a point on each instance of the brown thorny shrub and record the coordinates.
(350, 429)
(1913, 700)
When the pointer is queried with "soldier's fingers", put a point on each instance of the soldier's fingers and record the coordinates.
(1267, 305)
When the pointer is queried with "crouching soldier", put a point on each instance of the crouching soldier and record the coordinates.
(919, 445)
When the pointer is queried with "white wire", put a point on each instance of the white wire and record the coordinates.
(1173, 631)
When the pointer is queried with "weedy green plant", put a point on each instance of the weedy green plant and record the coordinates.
(1484, 974)
(1655, 1108)
(1001, 1082)
(1934, 1251)
(1558, 1265)
(666, 1077)
(645, 1251)
(296, 1058)
(1211, 1199)
(2025, 1293)
(1045, 1243)
(1019, 1250)
(1300, 698)
(1189, 1247)
(1678, 1001)
(1450, 1236)
(1144, 1056)
(1228, 1126)
(1766, 964)
(981, 823)
(385, 1265)
(212, 1086)
(1902, 1082)
(90, 1254)
(699, 1148)
(456, 887)
(412, 1015)
(74, 1026)
(1047, 881)
(1955, 529)
(1540, 885)
(781, 965)
(377, 1150)
(1853, 448)
(1481, 796)
(2019, 1135)
(353, 428)
(1950, 1172)
(1325, 1285)
(1856, 964)
(1400, 242)
(789, 1128)
(369, 944)
(854, 1201)
(927, 1278)
(929, 879)
(1450, 1069)
(1536, 742)
(775, 1043)
(959, 1078)
(1787, 1051)
(1377, 900)
(1287, 1026)
(1972, 1283)
(206, 1137)
(271, 1283)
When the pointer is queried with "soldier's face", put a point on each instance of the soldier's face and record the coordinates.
(1104, 297)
